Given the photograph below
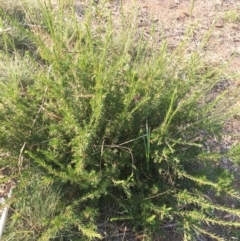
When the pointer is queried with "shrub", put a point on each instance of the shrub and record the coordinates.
(114, 119)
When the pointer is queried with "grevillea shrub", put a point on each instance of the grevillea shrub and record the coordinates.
(96, 117)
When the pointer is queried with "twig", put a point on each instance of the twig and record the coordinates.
(5, 30)
(124, 233)
(132, 140)
(20, 158)
(159, 194)
(170, 225)
(4, 214)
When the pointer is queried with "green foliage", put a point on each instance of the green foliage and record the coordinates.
(107, 117)
(231, 16)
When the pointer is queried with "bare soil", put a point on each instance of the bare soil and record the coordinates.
(221, 18)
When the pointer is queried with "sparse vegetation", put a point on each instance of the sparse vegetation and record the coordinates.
(101, 123)
(232, 16)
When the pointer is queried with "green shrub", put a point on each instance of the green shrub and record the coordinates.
(113, 119)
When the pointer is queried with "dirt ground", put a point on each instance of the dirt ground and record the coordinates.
(220, 17)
